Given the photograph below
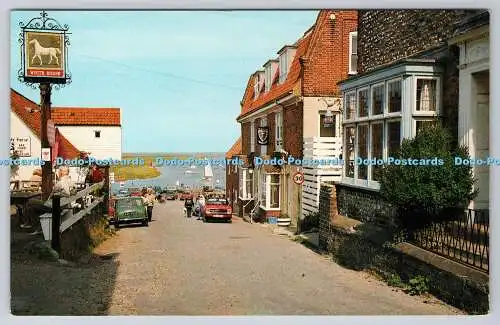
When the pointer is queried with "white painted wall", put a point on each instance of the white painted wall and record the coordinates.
(109, 145)
(19, 129)
(312, 107)
(473, 128)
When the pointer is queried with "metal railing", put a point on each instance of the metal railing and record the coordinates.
(463, 238)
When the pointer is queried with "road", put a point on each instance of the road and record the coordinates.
(181, 266)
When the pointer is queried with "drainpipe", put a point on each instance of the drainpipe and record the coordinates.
(284, 187)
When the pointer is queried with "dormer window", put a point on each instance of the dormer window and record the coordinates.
(353, 52)
(269, 72)
(286, 55)
(283, 62)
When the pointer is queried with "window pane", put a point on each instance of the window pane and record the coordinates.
(363, 103)
(354, 44)
(363, 150)
(393, 137)
(350, 106)
(349, 145)
(394, 96)
(275, 196)
(378, 100)
(377, 148)
(248, 184)
(426, 95)
(326, 131)
(423, 124)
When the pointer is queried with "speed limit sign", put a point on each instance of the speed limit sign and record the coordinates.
(298, 178)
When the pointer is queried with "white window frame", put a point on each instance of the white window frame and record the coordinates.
(278, 118)
(252, 136)
(404, 116)
(351, 36)
(267, 192)
(283, 66)
(438, 96)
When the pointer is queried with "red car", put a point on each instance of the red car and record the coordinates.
(216, 209)
(185, 195)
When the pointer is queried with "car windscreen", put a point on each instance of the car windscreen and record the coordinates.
(217, 202)
(129, 203)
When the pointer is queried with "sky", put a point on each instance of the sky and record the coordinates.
(177, 76)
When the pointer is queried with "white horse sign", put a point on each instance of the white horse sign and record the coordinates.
(44, 55)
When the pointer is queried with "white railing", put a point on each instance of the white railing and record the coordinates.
(322, 147)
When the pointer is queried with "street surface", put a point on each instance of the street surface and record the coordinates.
(181, 266)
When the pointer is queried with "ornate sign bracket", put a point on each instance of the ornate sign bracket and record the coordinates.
(33, 69)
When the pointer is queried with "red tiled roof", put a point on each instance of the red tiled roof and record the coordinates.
(19, 105)
(86, 116)
(277, 90)
(235, 149)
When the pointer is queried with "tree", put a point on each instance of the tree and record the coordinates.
(424, 193)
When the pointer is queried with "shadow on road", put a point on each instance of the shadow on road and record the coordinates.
(50, 287)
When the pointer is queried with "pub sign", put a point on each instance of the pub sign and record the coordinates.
(263, 135)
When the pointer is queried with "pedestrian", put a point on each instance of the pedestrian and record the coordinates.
(200, 202)
(188, 204)
(64, 187)
(150, 202)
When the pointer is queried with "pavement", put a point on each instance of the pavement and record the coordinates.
(182, 266)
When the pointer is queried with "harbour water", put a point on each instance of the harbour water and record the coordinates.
(173, 175)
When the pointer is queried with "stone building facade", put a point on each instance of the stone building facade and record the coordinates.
(407, 76)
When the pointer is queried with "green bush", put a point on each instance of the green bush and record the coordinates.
(310, 221)
(428, 192)
(417, 285)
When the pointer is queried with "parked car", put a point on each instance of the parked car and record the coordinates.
(171, 195)
(129, 210)
(216, 209)
(185, 195)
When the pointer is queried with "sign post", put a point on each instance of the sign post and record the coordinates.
(44, 52)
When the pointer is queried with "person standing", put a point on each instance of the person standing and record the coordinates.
(150, 202)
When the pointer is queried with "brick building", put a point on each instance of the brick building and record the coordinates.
(283, 115)
(232, 180)
(407, 76)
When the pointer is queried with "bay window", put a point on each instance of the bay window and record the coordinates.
(380, 109)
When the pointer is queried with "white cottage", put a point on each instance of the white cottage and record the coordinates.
(94, 130)
(473, 39)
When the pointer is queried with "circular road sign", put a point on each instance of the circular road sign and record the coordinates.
(298, 178)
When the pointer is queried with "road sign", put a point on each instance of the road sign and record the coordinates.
(298, 178)
(51, 132)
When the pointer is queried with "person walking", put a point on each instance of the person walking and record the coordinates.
(188, 204)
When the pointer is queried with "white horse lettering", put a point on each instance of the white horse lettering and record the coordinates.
(40, 50)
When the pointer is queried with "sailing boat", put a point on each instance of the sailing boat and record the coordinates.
(208, 175)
